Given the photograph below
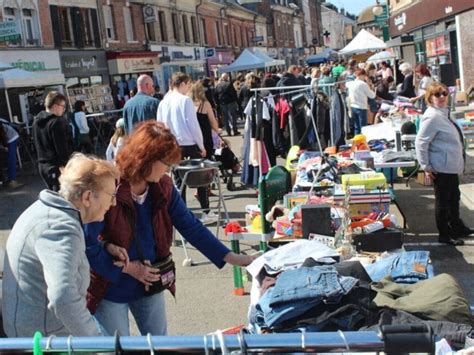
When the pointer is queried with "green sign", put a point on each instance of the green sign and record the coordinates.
(381, 20)
(10, 31)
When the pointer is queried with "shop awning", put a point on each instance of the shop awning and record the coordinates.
(363, 42)
(19, 78)
(400, 41)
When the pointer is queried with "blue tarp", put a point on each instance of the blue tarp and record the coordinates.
(323, 57)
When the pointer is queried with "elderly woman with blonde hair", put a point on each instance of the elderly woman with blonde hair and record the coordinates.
(46, 272)
(408, 86)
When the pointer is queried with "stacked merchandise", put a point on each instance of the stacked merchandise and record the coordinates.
(307, 286)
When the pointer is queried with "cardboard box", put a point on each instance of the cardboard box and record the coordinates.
(461, 97)
(424, 179)
(368, 208)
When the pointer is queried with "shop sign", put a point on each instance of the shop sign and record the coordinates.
(133, 65)
(35, 61)
(149, 14)
(210, 52)
(400, 21)
(10, 31)
(81, 64)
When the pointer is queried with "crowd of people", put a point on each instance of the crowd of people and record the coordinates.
(85, 253)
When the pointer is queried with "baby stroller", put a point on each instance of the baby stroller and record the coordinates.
(229, 163)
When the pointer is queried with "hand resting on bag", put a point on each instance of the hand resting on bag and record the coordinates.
(143, 273)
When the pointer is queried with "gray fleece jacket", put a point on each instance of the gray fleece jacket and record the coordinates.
(46, 272)
(438, 143)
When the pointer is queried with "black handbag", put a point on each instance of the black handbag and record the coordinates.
(167, 269)
(167, 276)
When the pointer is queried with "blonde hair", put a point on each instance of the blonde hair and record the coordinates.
(119, 132)
(405, 68)
(197, 93)
(432, 89)
(83, 173)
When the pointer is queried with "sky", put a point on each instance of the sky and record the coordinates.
(353, 6)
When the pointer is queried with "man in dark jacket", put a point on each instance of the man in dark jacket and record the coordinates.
(289, 78)
(227, 99)
(143, 106)
(50, 133)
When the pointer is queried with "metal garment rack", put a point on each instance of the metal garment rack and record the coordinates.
(391, 339)
(297, 89)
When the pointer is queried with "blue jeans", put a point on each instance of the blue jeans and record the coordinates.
(360, 119)
(12, 148)
(229, 111)
(149, 313)
(298, 290)
(406, 267)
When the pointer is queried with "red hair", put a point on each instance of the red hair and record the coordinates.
(422, 68)
(149, 142)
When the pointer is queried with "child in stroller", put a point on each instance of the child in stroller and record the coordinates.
(229, 163)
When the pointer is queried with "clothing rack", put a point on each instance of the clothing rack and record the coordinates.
(302, 88)
(395, 339)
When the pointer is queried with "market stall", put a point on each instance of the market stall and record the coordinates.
(249, 60)
(363, 42)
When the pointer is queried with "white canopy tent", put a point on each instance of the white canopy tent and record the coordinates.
(19, 78)
(249, 60)
(364, 41)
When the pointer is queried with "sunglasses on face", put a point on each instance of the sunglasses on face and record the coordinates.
(439, 94)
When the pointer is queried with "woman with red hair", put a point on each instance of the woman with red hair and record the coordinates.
(148, 206)
(422, 74)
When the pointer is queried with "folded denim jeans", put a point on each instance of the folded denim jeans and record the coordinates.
(298, 290)
(405, 267)
(411, 266)
(322, 282)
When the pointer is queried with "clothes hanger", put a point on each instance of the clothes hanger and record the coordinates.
(118, 347)
(206, 349)
(150, 344)
(70, 351)
(303, 338)
(48, 342)
(343, 337)
(222, 344)
(242, 342)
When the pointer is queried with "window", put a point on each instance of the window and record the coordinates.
(163, 32)
(227, 34)
(174, 20)
(65, 24)
(109, 22)
(218, 33)
(194, 28)
(235, 37)
(203, 23)
(86, 27)
(127, 19)
(150, 31)
(186, 29)
(9, 14)
(28, 26)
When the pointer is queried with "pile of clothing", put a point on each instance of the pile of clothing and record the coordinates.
(315, 292)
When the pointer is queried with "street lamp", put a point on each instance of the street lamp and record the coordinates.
(377, 10)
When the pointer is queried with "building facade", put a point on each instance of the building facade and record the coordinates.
(441, 37)
(338, 28)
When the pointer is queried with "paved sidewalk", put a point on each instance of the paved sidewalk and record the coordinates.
(204, 300)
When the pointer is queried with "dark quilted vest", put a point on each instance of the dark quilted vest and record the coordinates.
(120, 225)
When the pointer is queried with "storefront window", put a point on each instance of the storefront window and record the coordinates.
(84, 81)
(72, 82)
(96, 80)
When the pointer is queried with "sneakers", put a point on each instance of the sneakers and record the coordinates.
(209, 218)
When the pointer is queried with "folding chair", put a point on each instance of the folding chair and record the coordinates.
(200, 173)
